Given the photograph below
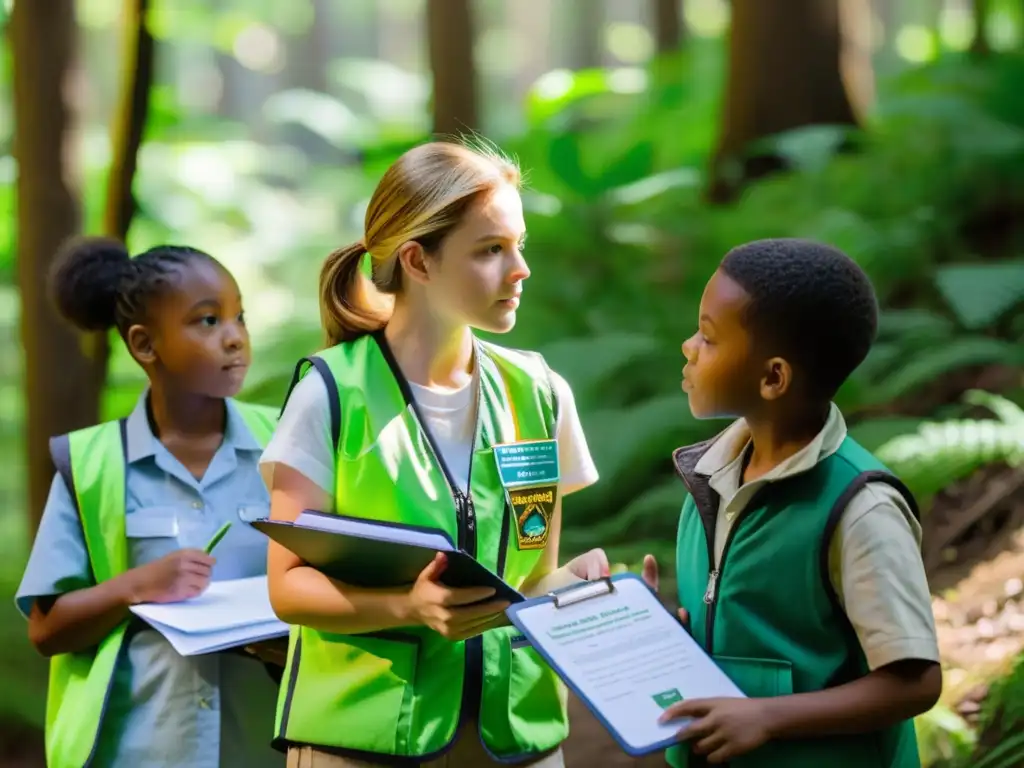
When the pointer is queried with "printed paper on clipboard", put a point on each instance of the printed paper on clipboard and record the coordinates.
(623, 654)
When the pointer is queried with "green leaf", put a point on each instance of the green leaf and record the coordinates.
(655, 512)
(938, 454)
(635, 164)
(587, 363)
(929, 364)
(566, 161)
(627, 439)
(875, 433)
(980, 294)
(913, 324)
(1008, 411)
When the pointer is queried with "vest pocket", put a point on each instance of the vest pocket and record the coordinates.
(369, 678)
(537, 699)
(763, 678)
(758, 677)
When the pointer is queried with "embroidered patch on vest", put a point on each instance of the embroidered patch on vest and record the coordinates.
(529, 474)
(532, 509)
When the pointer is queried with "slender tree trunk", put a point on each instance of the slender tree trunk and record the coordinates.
(582, 23)
(137, 69)
(979, 43)
(668, 25)
(785, 72)
(533, 21)
(450, 43)
(62, 381)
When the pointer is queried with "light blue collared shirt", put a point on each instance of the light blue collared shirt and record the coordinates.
(166, 710)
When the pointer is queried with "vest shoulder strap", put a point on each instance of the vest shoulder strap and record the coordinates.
(333, 397)
(536, 369)
(92, 462)
(260, 419)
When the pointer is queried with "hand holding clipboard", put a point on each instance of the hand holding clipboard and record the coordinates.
(623, 654)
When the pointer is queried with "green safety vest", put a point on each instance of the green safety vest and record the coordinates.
(406, 692)
(92, 463)
(774, 574)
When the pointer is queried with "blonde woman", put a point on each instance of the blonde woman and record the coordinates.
(398, 420)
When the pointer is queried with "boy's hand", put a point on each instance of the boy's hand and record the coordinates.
(650, 572)
(722, 728)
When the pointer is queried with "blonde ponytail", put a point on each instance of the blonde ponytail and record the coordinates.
(350, 305)
(422, 196)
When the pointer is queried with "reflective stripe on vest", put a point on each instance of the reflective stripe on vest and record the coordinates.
(406, 692)
(91, 462)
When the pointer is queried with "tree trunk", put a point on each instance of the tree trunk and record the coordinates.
(62, 382)
(137, 69)
(668, 25)
(785, 72)
(450, 43)
(581, 24)
(979, 43)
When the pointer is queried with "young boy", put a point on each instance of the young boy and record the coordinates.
(798, 553)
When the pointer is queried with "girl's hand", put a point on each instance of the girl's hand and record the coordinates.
(454, 613)
(178, 576)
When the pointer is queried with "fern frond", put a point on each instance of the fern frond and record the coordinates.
(940, 453)
(1008, 411)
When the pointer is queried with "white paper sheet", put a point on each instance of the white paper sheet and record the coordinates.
(371, 529)
(228, 614)
(627, 656)
(195, 643)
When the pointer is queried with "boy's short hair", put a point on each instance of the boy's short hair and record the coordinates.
(810, 303)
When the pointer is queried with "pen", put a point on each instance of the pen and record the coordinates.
(217, 537)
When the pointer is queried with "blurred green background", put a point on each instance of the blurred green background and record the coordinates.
(654, 134)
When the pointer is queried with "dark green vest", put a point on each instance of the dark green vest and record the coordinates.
(774, 573)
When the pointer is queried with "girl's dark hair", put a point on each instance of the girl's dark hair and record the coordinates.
(97, 285)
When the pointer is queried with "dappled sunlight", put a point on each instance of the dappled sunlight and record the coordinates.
(269, 125)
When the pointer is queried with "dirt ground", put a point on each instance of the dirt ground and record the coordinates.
(977, 582)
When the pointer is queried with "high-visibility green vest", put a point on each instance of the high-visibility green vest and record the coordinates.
(406, 692)
(768, 613)
(92, 462)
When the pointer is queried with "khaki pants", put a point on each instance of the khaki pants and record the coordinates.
(468, 752)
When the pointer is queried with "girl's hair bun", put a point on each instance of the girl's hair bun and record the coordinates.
(85, 279)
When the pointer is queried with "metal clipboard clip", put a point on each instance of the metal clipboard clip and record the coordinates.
(578, 594)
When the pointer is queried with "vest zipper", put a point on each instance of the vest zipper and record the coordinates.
(711, 592)
(465, 513)
(715, 578)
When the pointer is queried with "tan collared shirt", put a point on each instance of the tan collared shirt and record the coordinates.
(875, 557)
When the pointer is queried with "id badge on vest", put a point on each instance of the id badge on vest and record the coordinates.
(529, 475)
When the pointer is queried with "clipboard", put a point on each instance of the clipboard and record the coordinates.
(665, 627)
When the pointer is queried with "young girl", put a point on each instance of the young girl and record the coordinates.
(403, 421)
(131, 508)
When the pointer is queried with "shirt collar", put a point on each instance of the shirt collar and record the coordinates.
(731, 443)
(142, 443)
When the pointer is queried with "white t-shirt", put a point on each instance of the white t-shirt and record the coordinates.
(302, 439)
